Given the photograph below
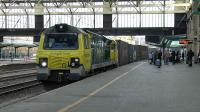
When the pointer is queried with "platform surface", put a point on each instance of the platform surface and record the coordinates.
(137, 87)
(15, 61)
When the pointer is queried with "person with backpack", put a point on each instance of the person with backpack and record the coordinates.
(158, 60)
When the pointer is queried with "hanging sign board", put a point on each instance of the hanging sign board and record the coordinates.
(185, 41)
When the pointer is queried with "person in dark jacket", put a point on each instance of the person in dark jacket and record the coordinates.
(190, 54)
(177, 57)
(173, 56)
(159, 56)
(183, 55)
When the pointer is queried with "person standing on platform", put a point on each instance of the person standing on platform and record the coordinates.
(166, 58)
(158, 60)
(190, 55)
(173, 55)
(183, 56)
(199, 56)
(177, 57)
(155, 57)
(151, 57)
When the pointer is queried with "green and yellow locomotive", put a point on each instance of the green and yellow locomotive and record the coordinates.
(69, 53)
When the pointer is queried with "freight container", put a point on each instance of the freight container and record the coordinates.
(130, 53)
(141, 52)
(123, 54)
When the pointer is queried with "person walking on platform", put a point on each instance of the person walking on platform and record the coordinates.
(190, 55)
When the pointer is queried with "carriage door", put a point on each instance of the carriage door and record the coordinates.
(87, 52)
(113, 52)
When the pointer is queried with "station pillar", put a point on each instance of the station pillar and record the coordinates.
(1, 41)
(28, 54)
(107, 16)
(193, 28)
(15, 54)
(39, 18)
(39, 22)
(0, 52)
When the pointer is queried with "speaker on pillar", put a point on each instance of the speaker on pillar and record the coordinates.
(36, 38)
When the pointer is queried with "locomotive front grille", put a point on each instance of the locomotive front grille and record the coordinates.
(56, 62)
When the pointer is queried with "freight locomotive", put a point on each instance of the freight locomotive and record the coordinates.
(66, 52)
(69, 53)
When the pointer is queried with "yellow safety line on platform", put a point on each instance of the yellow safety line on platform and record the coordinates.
(68, 107)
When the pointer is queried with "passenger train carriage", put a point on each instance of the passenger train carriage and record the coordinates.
(69, 53)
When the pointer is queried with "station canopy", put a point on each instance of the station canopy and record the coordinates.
(90, 7)
(174, 40)
(17, 41)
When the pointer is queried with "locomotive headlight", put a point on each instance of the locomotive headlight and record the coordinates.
(61, 27)
(44, 64)
(73, 64)
(76, 60)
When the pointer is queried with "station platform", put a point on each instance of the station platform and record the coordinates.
(136, 87)
(15, 61)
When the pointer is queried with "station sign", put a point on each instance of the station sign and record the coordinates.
(185, 41)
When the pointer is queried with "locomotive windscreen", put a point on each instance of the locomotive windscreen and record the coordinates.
(61, 41)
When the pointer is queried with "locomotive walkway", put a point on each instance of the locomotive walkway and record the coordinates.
(137, 87)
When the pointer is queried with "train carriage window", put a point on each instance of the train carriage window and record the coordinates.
(61, 41)
(86, 41)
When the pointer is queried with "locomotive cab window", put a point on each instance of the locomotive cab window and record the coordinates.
(61, 41)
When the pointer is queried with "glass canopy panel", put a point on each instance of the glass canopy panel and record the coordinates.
(133, 20)
(17, 40)
(175, 44)
(2, 21)
(50, 20)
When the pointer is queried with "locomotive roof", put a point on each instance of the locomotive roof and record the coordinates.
(66, 29)
(100, 36)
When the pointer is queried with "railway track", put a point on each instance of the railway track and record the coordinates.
(13, 71)
(18, 76)
(17, 80)
(19, 86)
